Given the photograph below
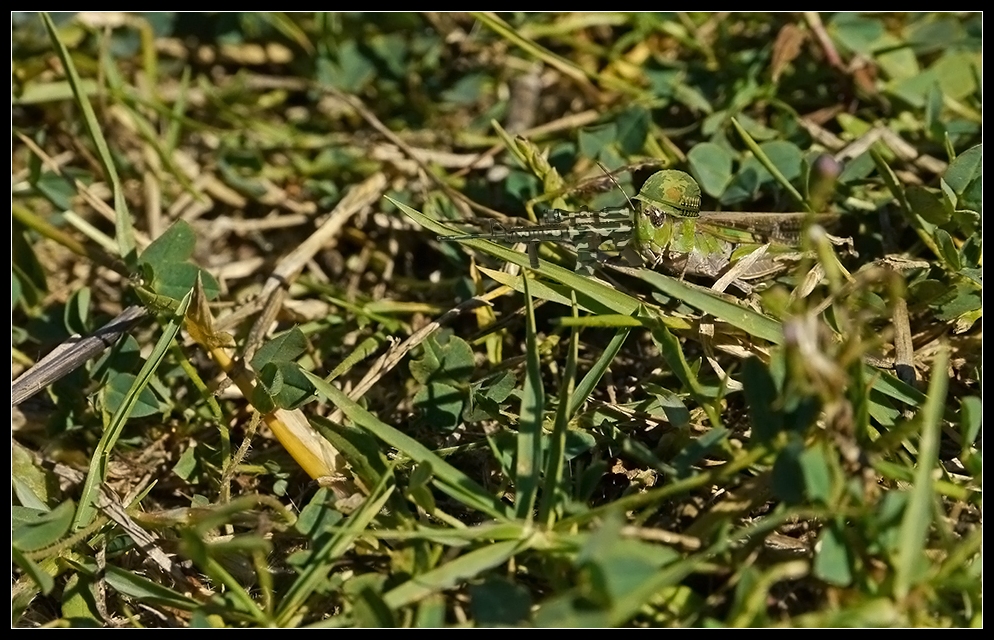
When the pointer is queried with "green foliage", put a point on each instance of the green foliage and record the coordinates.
(637, 447)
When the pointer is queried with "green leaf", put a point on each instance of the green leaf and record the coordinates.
(633, 126)
(971, 419)
(528, 461)
(817, 477)
(176, 244)
(919, 514)
(957, 73)
(756, 130)
(947, 248)
(960, 301)
(770, 166)
(450, 479)
(35, 529)
(440, 405)
(711, 166)
(187, 463)
(500, 390)
(752, 322)
(36, 572)
(58, 189)
(761, 394)
(124, 230)
(451, 573)
(146, 591)
(467, 90)
(178, 278)
(696, 450)
(424, 368)
(351, 71)
(589, 381)
(286, 347)
(787, 480)
(499, 602)
(76, 316)
(927, 203)
(96, 473)
(856, 33)
(318, 517)
(594, 140)
(786, 156)
(832, 560)
(79, 601)
(452, 361)
(934, 34)
(967, 166)
(116, 393)
(33, 486)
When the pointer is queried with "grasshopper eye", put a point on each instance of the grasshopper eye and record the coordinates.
(655, 215)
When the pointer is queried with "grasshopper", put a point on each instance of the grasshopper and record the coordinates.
(666, 227)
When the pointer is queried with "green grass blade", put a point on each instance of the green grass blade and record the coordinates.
(752, 322)
(673, 354)
(449, 479)
(772, 168)
(146, 591)
(529, 441)
(589, 382)
(98, 464)
(323, 558)
(505, 31)
(124, 231)
(452, 573)
(918, 514)
(552, 491)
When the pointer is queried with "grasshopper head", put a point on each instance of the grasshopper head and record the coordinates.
(670, 193)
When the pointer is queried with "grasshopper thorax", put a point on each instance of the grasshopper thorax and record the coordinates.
(670, 193)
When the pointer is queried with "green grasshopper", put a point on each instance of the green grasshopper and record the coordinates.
(666, 227)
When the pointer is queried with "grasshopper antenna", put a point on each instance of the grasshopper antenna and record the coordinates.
(618, 184)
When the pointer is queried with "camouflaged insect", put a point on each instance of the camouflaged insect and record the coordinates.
(666, 227)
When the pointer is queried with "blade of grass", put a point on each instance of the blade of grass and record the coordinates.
(145, 129)
(239, 603)
(451, 480)
(566, 67)
(918, 514)
(98, 464)
(772, 168)
(124, 231)
(673, 355)
(552, 491)
(451, 573)
(529, 441)
(323, 558)
(752, 322)
(589, 382)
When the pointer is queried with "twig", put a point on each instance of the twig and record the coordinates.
(274, 290)
(71, 354)
(391, 358)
